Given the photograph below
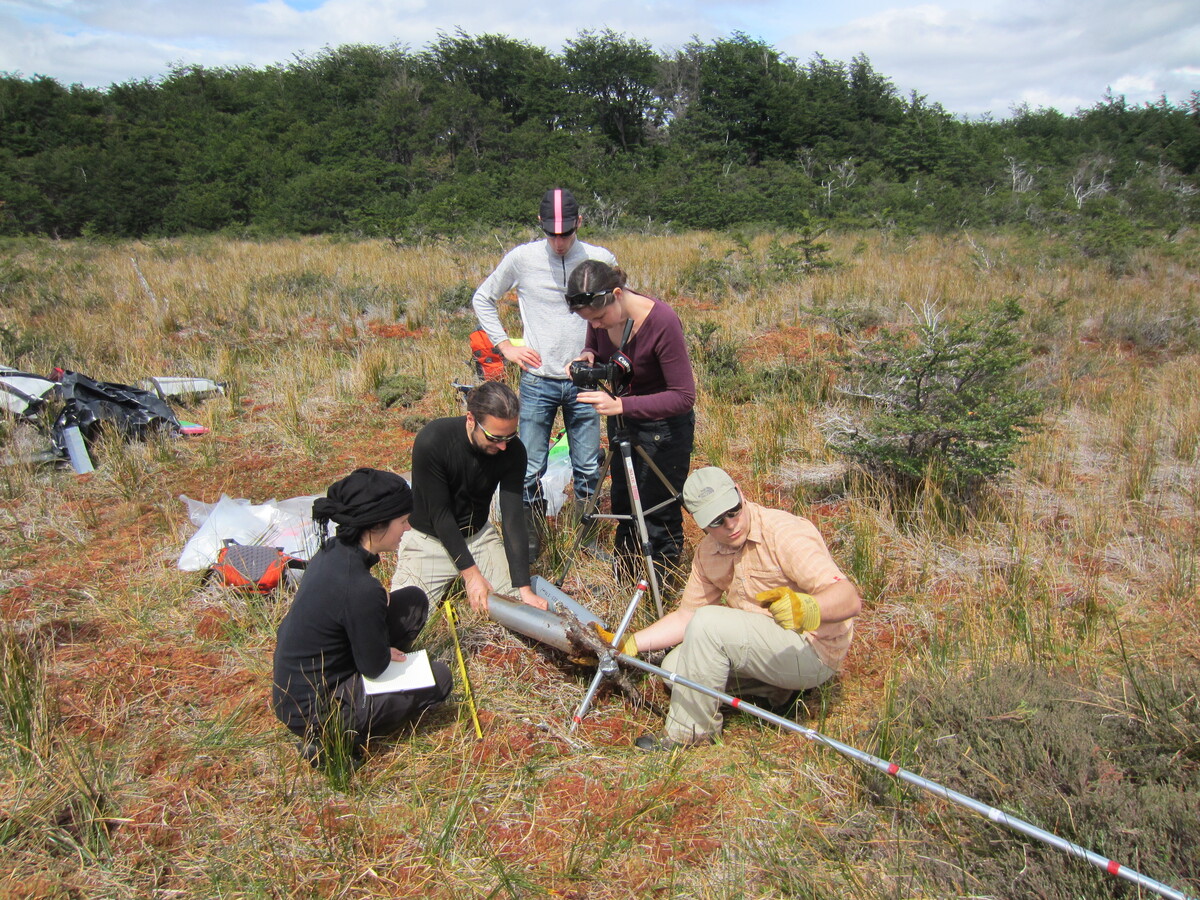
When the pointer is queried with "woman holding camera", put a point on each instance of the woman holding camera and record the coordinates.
(650, 405)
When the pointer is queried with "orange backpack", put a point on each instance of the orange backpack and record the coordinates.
(489, 364)
(252, 567)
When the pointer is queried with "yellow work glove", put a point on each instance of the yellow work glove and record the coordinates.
(628, 646)
(791, 609)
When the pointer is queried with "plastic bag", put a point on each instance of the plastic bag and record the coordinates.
(286, 524)
(557, 478)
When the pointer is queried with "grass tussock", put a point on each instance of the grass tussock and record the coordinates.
(1031, 646)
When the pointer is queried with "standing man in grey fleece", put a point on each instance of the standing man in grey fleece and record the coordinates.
(553, 337)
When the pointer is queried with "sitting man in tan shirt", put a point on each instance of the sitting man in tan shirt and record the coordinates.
(786, 622)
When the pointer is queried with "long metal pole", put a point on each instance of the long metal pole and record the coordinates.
(889, 768)
(639, 518)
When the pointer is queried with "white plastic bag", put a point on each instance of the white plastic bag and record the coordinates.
(556, 480)
(286, 524)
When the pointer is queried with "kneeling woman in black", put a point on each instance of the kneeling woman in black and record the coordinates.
(343, 624)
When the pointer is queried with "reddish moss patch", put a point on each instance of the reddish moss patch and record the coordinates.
(213, 623)
(796, 343)
(385, 330)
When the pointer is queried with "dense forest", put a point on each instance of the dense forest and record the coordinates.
(470, 130)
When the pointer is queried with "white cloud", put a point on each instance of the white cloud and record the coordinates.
(969, 55)
(1134, 85)
(976, 57)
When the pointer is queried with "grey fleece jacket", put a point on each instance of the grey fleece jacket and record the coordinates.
(540, 277)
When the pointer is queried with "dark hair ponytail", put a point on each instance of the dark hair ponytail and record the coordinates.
(495, 399)
(595, 277)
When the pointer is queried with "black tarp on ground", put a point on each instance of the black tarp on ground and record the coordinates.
(87, 403)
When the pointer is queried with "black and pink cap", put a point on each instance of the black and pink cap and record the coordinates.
(559, 213)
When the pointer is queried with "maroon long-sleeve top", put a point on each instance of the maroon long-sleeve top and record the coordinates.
(662, 384)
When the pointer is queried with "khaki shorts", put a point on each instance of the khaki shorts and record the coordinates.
(423, 561)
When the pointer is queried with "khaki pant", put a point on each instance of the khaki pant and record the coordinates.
(422, 561)
(740, 653)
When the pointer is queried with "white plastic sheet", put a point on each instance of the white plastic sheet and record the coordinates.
(286, 524)
(558, 477)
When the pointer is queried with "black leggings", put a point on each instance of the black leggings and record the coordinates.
(373, 715)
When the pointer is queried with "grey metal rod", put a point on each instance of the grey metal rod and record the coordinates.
(539, 624)
(639, 517)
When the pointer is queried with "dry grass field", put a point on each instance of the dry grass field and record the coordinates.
(1043, 645)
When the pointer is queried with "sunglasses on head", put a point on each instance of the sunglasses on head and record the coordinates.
(724, 517)
(589, 300)
(497, 438)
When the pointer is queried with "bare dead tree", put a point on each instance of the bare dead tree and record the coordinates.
(1090, 180)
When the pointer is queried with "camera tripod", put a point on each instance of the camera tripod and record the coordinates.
(622, 444)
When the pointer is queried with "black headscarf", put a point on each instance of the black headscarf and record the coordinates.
(364, 498)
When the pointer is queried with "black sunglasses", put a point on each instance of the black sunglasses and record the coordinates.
(721, 519)
(589, 300)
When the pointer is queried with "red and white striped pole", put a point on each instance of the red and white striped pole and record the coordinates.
(889, 768)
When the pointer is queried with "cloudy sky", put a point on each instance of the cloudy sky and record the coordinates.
(972, 56)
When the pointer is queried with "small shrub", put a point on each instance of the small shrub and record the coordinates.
(716, 355)
(1109, 236)
(401, 389)
(803, 256)
(1114, 767)
(945, 404)
(741, 269)
(455, 299)
(714, 277)
(414, 424)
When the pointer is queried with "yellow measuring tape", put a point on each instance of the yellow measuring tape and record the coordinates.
(451, 620)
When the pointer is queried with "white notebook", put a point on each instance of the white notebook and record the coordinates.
(411, 675)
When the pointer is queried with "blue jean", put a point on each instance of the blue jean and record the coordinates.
(541, 398)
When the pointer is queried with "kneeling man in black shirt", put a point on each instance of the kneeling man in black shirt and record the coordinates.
(457, 463)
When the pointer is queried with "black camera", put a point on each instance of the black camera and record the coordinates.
(615, 372)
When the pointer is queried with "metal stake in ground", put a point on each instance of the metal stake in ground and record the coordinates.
(889, 768)
(605, 665)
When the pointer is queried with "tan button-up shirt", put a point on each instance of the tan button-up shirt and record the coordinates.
(780, 550)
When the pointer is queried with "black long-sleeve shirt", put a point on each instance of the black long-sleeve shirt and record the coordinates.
(336, 629)
(453, 483)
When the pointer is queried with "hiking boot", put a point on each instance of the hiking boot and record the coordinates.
(660, 743)
(786, 708)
